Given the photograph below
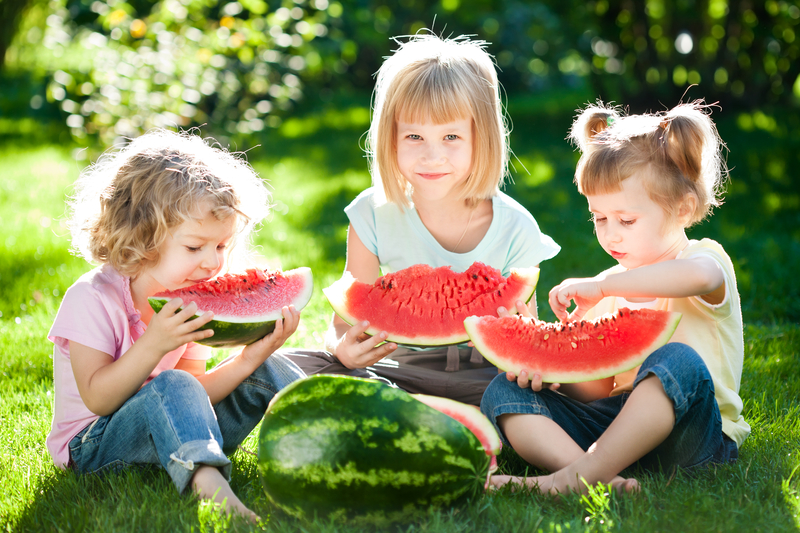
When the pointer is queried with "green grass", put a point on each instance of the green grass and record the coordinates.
(315, 172)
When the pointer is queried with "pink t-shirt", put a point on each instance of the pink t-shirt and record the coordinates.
(98, 312)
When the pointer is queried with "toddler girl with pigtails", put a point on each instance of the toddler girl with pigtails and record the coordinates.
(646, 178)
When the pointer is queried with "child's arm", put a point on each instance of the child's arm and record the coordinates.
(105, 384)
(676, 278)
(348, 343)
(223, 379)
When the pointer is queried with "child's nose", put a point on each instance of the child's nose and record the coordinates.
(613, 235)
(433, 153)
(211, 261)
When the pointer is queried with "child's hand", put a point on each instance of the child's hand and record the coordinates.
(522, 310)
(585, 292)
(171, 327)
(356, 349)
(259, 351)
(534, 381)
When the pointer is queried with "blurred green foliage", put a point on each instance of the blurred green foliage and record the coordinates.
(118, 67)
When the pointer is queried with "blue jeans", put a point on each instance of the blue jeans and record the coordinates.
(696, 438)
(171, 422)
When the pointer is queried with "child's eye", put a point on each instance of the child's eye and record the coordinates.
(598, 220)
(451, 137)
(193, 248)
(413, 137)
(627, 222)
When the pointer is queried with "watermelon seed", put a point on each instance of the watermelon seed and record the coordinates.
(546, 336)
(600, 337)
(474, 276)
(574, 345)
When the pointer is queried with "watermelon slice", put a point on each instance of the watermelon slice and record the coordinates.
(426, 306)
(245, 306)
(574, 351)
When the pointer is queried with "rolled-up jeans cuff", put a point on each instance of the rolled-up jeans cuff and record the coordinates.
(515, 408)
(185, 461)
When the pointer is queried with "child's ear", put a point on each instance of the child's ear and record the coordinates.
(687, 209)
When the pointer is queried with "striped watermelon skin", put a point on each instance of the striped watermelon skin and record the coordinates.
(359, 451)
(228, 333)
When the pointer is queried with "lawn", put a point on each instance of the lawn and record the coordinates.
(316, 168)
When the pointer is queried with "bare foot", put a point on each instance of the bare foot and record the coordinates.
(210, 484)
(625, 485)
(565, 480)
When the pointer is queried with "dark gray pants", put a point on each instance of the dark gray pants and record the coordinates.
(458, 373)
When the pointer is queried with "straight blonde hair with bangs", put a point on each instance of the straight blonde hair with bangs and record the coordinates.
(430, 79)
(677, 153)
(125, 205)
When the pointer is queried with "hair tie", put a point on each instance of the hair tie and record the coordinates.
(609, 121)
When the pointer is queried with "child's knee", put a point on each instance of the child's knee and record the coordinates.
(678, 360)
(178, 383)
(683, 374)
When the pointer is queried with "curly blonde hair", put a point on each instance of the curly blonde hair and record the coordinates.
(439, 80)
(125, 204)
(678, 153)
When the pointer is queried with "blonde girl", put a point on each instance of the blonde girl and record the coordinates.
(646, 178)
(438, 149)
(131, 386)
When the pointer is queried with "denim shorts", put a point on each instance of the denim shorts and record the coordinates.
(170, 422)
(696, 438)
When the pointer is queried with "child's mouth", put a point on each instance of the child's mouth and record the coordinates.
(617, 255)
(429, 176)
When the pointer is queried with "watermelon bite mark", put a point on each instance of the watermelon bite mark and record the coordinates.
(426, 306)
(245, 306)
(574, 351)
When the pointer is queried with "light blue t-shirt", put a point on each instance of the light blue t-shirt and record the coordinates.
(397, 236)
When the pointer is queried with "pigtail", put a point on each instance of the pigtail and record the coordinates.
(690, 141)
(591, 122)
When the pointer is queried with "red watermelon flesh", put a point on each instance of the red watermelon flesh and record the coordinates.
(426, 306)
(241, 298)
(575, 351)
(245, 306)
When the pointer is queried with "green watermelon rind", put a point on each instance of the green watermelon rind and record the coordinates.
(323, 451)
(336, 292)
(628, 362)
(238, 331)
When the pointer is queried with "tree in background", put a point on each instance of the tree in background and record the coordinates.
(10, 14)
(118, 67)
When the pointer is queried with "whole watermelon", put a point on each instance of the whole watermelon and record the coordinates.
(360, 451)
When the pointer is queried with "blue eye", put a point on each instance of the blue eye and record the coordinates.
(451, 137)
(414, 137)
